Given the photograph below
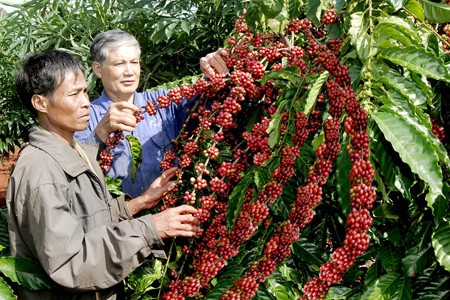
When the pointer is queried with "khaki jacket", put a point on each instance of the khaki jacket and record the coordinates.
(62, 215)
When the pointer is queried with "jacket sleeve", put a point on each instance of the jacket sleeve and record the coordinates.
(76, 259)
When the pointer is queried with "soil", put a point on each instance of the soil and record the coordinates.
(5, 168)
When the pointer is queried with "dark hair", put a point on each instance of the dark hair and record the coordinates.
(110, 40)
(42, 73)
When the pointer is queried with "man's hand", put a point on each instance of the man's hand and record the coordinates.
(177, 221)
(154, 193)
(214, 63)
(118, 117)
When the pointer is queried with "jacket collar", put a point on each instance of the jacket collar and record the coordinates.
(63, 153)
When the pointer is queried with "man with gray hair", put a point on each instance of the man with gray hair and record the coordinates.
(116, 61)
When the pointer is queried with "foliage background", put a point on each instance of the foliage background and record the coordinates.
(399, 66)
(173, 36)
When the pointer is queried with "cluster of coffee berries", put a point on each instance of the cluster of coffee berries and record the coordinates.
(211, 178)
(437, 129)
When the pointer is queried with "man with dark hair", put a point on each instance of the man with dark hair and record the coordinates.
(60, 211)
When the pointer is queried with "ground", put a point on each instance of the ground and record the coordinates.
(5, 167)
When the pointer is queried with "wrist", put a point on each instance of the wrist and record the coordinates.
(101, 135)
(135, 205)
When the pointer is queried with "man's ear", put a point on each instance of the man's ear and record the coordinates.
(39, 103)
(97, 68)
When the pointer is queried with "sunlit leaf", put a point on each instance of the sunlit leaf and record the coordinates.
(436, 12)
(417, 60)
(441, 244)
(6, 292)
(314, 91)
(383, 288)
(136, 154)
(416, 9)
(237, 197)
(396, 4)
(413, 148)
(26, 272)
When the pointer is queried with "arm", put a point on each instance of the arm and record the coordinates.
(99, 258)
(151, 197)
(81, 260)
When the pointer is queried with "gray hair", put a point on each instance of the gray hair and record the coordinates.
(111, 40)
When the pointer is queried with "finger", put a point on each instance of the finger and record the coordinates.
(123, 121)
(218, 64)
(169, 173)
(189, 228)
(185, 209)
(223, 52)
(189, 219)
(124, 105)
(206, 68)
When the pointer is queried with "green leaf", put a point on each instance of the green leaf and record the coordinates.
(237, 197)
(397, 29)
(343, 167)
(290, 74)
(413, 148)
(387, 211)
(436, 12)
(271, 8)
(25, 272)
(308, 252)
(393, 170)
(231, 273)
(390, 257)
(291, 274)
(405, 87)
(185, 26)
(441, 244)
(169, 30)
(416, 9)
(359, 37)
(274, 130)
(417, 118)
(280, 290)
(396, 4)
(416, 260)
(404, 290)
(314, 91)
(136, 154)
(314, 10)
(417, 60)
(142, 278)
(441, 204)
(114, 185)
(6, 292)
(383, 288)
(338, 292)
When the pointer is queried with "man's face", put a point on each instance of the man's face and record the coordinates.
(120, 73)
(68, 109)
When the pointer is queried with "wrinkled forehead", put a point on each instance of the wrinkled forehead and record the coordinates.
(121, 48)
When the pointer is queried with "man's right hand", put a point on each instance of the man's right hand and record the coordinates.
(118, 117)
(177, 221)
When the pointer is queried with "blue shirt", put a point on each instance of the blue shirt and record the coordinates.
(154, 133)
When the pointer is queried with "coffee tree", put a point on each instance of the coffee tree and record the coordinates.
(318, 166)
